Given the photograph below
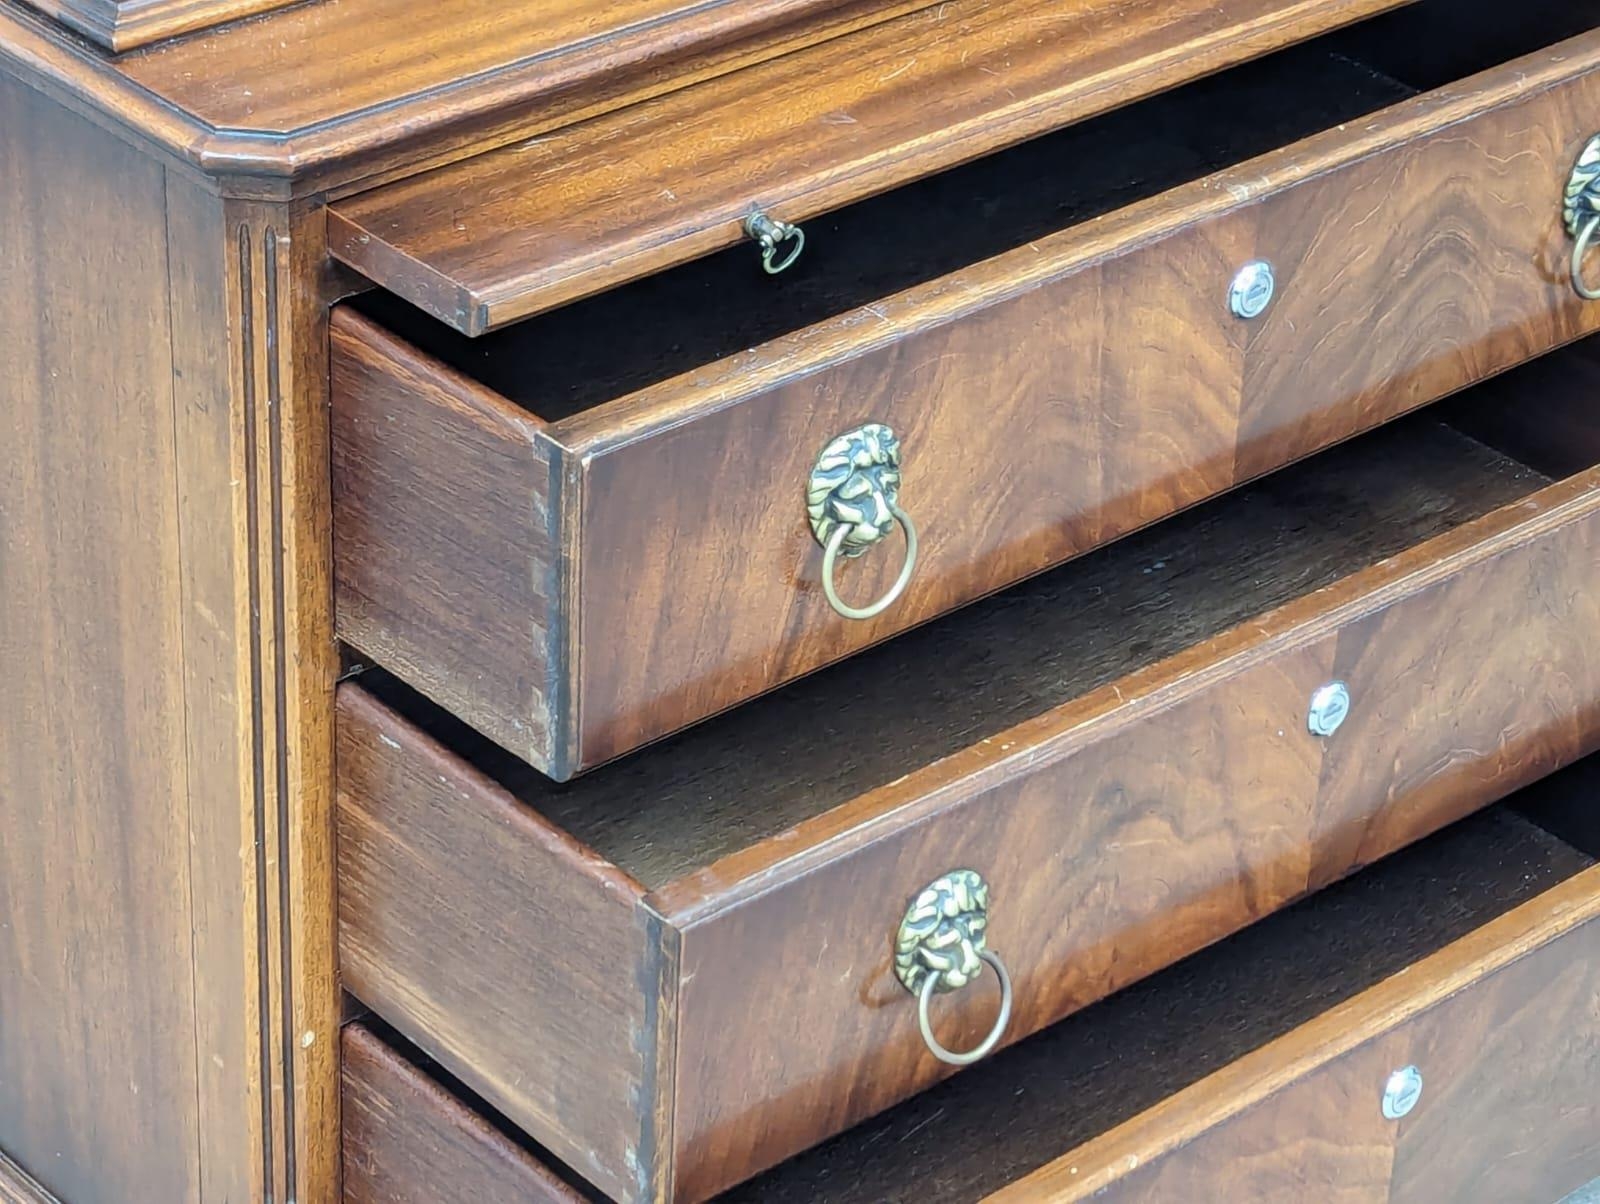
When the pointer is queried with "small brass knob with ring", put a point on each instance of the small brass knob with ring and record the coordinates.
(1580, 213)
(942, 946)
(853, 502)
(772, 235)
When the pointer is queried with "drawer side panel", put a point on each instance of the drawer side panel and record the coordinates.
(407, 1140)
(445, 553)
(493, 942)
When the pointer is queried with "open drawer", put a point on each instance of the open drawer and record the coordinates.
(494, 239)
(1426, 1031)
(590, 530)
(682, 968)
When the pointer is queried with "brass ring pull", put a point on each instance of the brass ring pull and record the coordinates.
(773, 234)
(984, 1047)
(852, 499)
(942, 946)
(1580, 213)
(1580, 252)
(830, 557)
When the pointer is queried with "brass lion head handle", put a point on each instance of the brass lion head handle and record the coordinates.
(1580, 213)
(853, 501)
(942, 946)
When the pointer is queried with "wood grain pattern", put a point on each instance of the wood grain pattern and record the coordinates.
(1505, 1029)
(259, 669)
(1105, 618)
(95, 866)
(701, 640)
(454, 483)
(410, 566)
(121, 25)
(1082, 1077)
(320, 96)
(329, 64)
(275, 269)
(1437, 266)
(518, 231)
(1015, 1114)
(1118, 307)
(768, 835)
(1208, 755)
(19, 1187)
(168, 986)
(324, 96)
(528, 946)
(408, 1141)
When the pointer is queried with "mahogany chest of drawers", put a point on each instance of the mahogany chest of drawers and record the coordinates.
(835, 601)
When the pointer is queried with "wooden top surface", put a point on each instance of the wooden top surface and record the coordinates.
(334, 59)
(333, 92)
(330, 94)
(506, 235)
(124, 24)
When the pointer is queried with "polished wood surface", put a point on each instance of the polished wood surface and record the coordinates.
(998, 1123)
(1205, 801)
(1504, 1027)
(327, 95)
(282, 656)
(512, 233)
(1083, 1077)
(985, 483)
(1194, 795)
(408, 1141)
(19, 1187)
(450, 577)
(581, 954)
(453, 484)
(1107, 618)
(166, 978)
(455, 954)
(95, 866)
(720, 604)
(124, 24)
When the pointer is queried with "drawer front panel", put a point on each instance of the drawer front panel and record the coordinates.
(444, 559)
(1140, 824)
(1053, 399)
(1502, 1024)
(1505, 1030)
(1480, 684)
(1411, 272)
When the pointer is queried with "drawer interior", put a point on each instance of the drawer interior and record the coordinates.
(766, 766)
(598, 350)
(1090, 1072)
